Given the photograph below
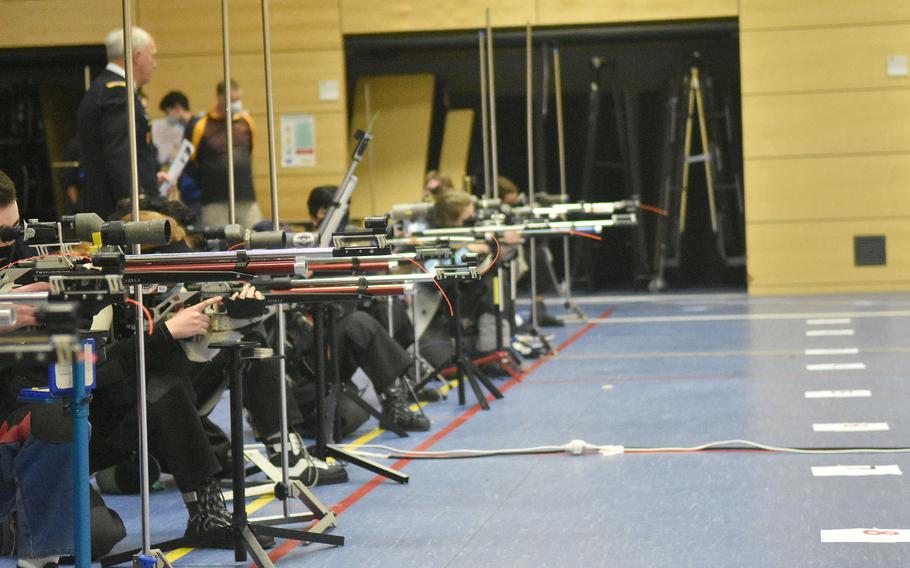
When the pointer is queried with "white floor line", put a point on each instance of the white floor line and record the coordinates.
(828, 332)
(855, 470)
(851, 427)
(855, 393)
(829, 321)
(836, 367)
(833, 351)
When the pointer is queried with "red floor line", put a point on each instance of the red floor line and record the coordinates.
(361, 492)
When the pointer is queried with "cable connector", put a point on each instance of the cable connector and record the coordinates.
(611, 450)
(577, 447)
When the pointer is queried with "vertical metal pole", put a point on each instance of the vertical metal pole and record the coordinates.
(390, 317)
(563, 192)
(137, 249)
(228, 113)
(484, 119)
(529, 92)
(491, 191)
(276, 226)
(81, 503)
(414, 315)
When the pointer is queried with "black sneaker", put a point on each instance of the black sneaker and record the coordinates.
(395, 408)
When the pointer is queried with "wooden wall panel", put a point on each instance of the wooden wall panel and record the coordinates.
(456, 144)
(834, 122)
(823, 58)
(818, 256)
(292, 194)
(395, 164)
(41, 23)
(295, 25)
(598, 11)
(841, 187)
(759, 14)
(370, 16)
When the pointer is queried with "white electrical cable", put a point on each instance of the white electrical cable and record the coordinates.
(770, 448)
(579, 447)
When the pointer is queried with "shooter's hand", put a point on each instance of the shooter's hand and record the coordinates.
(245, 304)
(191, 321)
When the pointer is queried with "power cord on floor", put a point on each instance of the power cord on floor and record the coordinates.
(580, 447)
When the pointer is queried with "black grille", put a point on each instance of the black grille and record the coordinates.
(869, 250)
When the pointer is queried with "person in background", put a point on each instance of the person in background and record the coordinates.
(168, 134)
(209, 164)
(103, 128)
(434, 184)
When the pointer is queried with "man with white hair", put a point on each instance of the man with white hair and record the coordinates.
(103, 128)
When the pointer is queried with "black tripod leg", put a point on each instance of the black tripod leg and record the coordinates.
(471, 378)
(366, 464)
(485, 380)
(356, 399)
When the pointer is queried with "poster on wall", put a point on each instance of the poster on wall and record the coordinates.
(298, 140)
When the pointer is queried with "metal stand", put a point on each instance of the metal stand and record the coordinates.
(243, 530)
(569, 303)
(323, 449)
(465, 369)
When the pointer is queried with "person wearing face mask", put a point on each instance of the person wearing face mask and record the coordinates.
(209, 163)
(167, 135)
(167, 132)
(103, 128)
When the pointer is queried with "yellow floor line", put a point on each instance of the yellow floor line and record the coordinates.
(269, 498)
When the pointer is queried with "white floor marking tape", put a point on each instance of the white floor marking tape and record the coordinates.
(883, 536)
(828, 332)
(835, 351)
(828, 321)
(857, 393)
(851, 427)
(855, 470)
(836, 367)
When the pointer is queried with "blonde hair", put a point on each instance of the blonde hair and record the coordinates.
(449, 206)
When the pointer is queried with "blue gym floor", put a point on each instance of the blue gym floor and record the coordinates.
(648, 371)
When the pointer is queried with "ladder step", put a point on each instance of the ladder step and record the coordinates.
(699, 158)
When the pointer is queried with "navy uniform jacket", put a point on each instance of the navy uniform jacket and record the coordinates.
(104, 147)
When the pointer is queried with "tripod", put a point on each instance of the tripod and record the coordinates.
(465, 369)
(323, 449)
(243, 530)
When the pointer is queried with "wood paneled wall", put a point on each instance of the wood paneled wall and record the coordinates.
(826, 143)
(368, 16)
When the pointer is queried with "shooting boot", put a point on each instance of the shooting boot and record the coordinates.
(395, 408)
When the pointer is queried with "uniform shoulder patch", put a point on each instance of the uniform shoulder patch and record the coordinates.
(112, 84)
